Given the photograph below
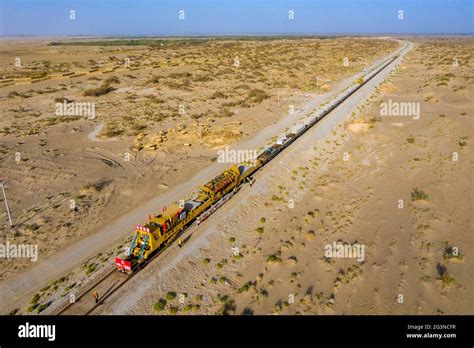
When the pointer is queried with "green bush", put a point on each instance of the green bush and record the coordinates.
(206, 261)
(274, 258)
(222, 263)
(13, 312)
(32, 307)
(257, 95)
(245, 287)
(263, 294)
(417, 194)
(155, 79)
(90, 268)
(42, 307)
(238, 256)
(222, 298)
(170, 295)
(448, 279)
(111, 79)
(13, 94)
(97, 92)
(35, 299)
(173, 310)
(228, 308)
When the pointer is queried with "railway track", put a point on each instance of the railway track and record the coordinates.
(84, 303)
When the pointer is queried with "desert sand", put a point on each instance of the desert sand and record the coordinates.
(264, 252)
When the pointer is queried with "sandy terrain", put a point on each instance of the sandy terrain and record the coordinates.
(345, 187)
(142, 116)
(264, 252)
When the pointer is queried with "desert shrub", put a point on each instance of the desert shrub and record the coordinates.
(45, 288)
(228, 308)
(159, 305)
(218, 95)
(69, 288)
(177, 75)
(32, 227)
(257, 95)
(98, 186)
(13, 94)
(90, 268)
(197, 116)
(111, 79)
(42, 307)
(450, 252)
(245, 287)
(32, 307)
(222, 263)
(62, 100)
(222, 298)
(35, 298)
(263, 294)
(238, 256)
(111, 130)
(97, 92)
(38, 74)
(462, 142)
(170, 296)
(274, 257)
(13, 312)
(203, 78)
(155, 99)
(155, 79)
(243, 86)
(448, 279)
(206, 261)
(225, 112)
(173, 310)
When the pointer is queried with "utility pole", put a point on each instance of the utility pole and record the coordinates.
(6, 204)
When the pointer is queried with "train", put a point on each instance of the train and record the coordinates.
(163, 228)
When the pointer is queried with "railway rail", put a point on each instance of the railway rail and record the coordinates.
(114, 279)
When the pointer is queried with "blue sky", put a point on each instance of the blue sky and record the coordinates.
(202, 17)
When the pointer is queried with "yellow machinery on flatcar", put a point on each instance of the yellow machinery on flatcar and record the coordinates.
(164, 227)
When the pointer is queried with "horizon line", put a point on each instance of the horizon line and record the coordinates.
(237, 35)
